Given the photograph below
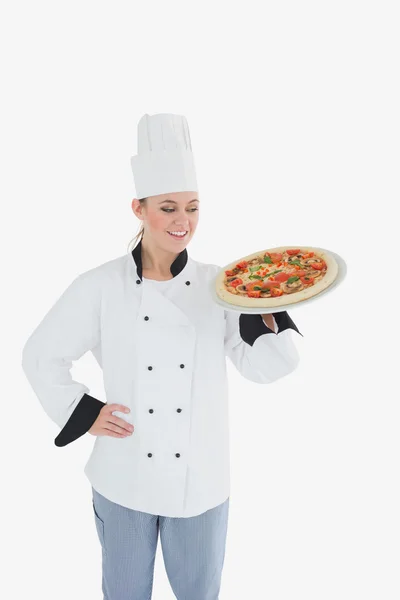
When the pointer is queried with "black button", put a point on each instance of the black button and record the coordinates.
(178, 410)
(182, 366)
(138, 281)
(177, 455)
(150, 368)
(187, 282)
(146, 318)
(151, 410)
(149, 455)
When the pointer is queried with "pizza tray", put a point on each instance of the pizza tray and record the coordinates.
(258, 310)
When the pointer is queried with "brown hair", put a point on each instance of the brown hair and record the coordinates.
(141, 231)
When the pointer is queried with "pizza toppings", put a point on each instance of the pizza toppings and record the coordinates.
(293, 284)
(275, 273)
(318, 265)
(236, 281)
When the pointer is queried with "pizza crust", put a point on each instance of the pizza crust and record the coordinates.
(330, 276)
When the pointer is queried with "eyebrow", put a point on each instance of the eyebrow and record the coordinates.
(173, 201)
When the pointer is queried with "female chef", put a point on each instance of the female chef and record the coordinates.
(160, 461)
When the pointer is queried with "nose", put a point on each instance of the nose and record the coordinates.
(181, 222)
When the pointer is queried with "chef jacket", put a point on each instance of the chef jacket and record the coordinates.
(163, 354)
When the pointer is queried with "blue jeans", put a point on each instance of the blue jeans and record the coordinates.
(193, 550)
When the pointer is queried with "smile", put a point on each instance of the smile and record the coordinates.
(178, 234)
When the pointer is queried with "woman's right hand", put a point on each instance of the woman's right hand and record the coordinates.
(108, 424)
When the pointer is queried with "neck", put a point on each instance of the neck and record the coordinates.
(156, 259)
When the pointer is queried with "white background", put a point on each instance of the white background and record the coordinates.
(293, 110)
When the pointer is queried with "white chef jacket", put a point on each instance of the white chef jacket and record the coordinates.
(163, 354)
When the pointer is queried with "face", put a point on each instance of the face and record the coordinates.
(175, 212)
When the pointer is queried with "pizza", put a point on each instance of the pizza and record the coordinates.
(277, 276)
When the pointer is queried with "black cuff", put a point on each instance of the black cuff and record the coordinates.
(285, 322)
(252, 326)
(81, 420)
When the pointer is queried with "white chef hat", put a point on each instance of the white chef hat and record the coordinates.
(164, 162)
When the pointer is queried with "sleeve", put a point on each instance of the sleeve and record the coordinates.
(260, 354)
(67, 332)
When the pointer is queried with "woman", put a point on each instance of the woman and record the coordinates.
(160, 462)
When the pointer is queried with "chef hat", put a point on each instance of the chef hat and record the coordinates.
(164, 162)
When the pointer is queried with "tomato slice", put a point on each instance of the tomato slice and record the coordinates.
(254, 294)
(242, 264)
(236, 282)
(275, 256)
(276, 292)
(319, 266)
(292, 252)
(281, 276)
(308, 281)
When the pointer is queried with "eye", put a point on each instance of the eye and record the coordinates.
(168, 210)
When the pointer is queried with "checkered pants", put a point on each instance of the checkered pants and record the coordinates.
(193, 551)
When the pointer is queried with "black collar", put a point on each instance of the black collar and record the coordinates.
(176, 267)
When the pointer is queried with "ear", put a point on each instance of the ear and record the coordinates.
(137, 209)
